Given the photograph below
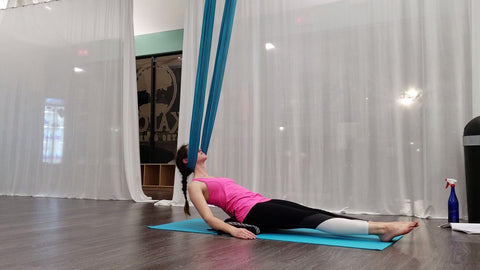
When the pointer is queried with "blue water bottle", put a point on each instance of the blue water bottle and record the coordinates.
(452, 202)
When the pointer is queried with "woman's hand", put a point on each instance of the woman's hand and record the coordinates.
(242, 233)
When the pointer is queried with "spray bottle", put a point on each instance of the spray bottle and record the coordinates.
(452, 202)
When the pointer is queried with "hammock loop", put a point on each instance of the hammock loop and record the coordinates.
(201, 79)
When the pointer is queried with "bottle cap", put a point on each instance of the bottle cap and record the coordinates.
(450, 182)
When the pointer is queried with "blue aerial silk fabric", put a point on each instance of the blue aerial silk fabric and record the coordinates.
(201, 80)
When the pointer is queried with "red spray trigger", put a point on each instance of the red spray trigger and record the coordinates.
(450, 182)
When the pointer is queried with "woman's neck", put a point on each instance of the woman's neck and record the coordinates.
(200, 172)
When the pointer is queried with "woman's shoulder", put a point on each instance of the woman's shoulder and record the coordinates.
(196, 185)
(212, 179)
(196, 182)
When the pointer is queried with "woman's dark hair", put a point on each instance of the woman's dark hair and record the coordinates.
(182, 154)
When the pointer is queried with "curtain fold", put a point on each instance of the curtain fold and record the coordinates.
(69, 107)
(352, 106)
(23, 3)
(475, 10)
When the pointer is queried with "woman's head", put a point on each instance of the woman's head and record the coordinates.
(182, 159)
(181, 162)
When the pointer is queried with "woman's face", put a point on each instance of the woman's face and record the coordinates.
(201, 156)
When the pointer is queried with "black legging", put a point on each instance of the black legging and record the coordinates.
(281, 214)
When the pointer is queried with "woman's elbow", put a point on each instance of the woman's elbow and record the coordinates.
(210, 221)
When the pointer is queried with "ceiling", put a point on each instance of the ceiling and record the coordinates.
(152, 16)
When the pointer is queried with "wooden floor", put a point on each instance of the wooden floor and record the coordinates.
(158, 193)
(47, 233)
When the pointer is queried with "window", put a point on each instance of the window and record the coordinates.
(53, 131)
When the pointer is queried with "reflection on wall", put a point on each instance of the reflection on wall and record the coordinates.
(53, 130)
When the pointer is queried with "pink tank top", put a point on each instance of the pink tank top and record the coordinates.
(234, 199)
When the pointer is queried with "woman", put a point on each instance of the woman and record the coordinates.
(253, 208)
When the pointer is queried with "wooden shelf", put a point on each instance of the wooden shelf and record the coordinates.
(157, 175)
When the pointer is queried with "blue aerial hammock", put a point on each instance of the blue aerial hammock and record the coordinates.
(201, 80)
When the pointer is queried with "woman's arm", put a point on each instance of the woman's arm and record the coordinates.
(196, 196)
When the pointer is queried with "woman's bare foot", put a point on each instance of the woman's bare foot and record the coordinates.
(388, 230)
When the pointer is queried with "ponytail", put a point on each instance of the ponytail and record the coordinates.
(182, 154)
(186, 208)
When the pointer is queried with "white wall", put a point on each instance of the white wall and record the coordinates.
(153, 16)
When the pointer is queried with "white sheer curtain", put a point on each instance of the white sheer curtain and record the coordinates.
(21, 3)
(69, 108)
(316, 106)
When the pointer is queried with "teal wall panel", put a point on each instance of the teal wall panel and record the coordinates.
(159, 43)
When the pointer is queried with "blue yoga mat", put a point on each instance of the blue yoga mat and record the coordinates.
(308, 236)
